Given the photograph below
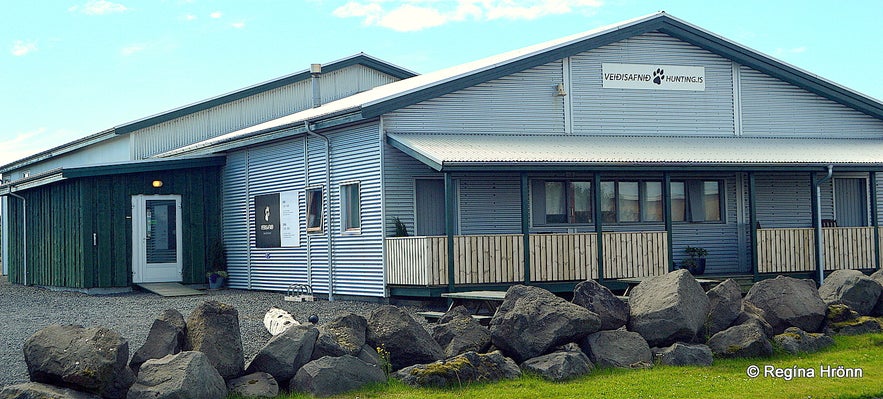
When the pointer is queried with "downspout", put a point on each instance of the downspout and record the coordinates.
(24, 241)
(311, 132)
(820, 258)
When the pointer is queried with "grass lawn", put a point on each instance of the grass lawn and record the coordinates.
(727, 378)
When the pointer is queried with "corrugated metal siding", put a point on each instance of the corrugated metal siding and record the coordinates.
(784, 200)
(772, 108)
(249, 111)
(279, 167)
(4, 234)
(112, 150)
(523, 102)
(399, 173)
(490, 204)
(645, 112)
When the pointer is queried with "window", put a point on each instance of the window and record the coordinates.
(696, 201)
(314, 210)
(631, 201)
(562, 202)
(350, 207)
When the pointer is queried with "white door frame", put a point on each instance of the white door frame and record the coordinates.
(142, 272)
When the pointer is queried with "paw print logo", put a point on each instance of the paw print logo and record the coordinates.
(658, 75)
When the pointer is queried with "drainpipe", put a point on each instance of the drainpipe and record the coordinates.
(311, 132)
(820, 258)
(24, 241)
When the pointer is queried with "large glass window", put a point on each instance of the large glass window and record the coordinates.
(562, 202)
(350, 207)
(696, 201)
(651, 211)
(314, 210)
(608, 202)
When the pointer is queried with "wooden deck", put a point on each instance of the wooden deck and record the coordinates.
(494, 259)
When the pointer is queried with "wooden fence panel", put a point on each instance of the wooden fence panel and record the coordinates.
(635, 254)
(785, 250)
(563, 257)
(488, 259)
(849, 247)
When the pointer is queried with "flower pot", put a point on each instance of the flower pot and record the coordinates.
(215, 283)
(698, 268)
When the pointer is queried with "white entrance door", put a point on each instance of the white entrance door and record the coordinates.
(156, 238)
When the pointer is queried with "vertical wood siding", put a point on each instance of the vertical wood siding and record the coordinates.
(652, 112)
(63, 216)
(773, 108)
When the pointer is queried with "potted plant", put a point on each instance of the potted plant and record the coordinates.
(218, 262)
(695, 263)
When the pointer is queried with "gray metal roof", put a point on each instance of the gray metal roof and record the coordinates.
(386, 98)
(446, 151)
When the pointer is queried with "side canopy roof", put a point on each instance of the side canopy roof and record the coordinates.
(393, 96)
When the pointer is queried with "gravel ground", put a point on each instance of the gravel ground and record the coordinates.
(24, 310)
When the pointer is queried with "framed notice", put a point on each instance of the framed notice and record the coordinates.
(267, 219)
(289, 205)
(652, 77)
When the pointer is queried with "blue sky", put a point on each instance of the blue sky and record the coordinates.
(70, 68)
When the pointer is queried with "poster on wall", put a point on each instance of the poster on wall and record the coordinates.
(266, 213)
(290, 233)
(276, 220)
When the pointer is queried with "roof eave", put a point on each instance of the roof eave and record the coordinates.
(55, 151)
(593, 167)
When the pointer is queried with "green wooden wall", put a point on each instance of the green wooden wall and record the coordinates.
(63, 216)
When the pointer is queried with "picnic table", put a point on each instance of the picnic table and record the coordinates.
(481, 304)
(633, 282)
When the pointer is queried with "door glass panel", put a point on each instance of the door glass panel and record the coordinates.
(652, 207)
(582, 201)
(161, 242)
(555, 206)
(628, 202)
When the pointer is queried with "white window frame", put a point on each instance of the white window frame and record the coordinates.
(344, 207)
(321, 228)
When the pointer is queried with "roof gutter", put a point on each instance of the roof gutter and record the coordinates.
(817, 224)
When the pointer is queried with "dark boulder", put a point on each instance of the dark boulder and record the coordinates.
(681, 354)
(878, 308)
(751, 314)
(724, 305)
(795, 340)
(36, 390)
(532, 322)
(213, 329)
(284, 354)
(614, 312)
(407, 342)
(166, 337)
(851, 288)
(668, 309)
(335, 375)
(617, 348)
(254, 385)
(86, 359)
(559, 366)
(183, 375)
(460, 370)
(345, 335)
(461, 334)
(746, 340)
(789, 302)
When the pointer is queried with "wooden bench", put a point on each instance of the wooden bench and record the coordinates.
(431, 316)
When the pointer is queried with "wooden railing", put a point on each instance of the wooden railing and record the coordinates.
(482, 259)
(793, 249)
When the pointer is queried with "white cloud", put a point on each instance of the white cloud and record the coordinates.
(98, 7)
(216, 15)
(21, 47)
(413, 15)
(238, 25)
(132, 49)
(190, 17)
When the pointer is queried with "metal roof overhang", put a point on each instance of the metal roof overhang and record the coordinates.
(118, 168)
(494, 153)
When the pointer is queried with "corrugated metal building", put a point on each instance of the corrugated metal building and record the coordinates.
(605, 154)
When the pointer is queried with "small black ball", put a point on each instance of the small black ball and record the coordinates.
(313, 319)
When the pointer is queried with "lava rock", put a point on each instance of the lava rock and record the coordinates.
(614, 312)
(184, 375)
(213, 329)
(559, 366)
(617, 348)
(789, 302)
(284, 354)
(36, 390)
(461, 334)
(460, 370)
(681, 354)
(668, 309)
(407, 342)
(851, 288)
(255, 385)
(335, 375)
(532, 322)
(724, 305)
(795, 340)
(166, 337)
(746, 340)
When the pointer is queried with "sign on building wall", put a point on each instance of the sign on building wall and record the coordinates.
(652, 77)
(276, 220)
